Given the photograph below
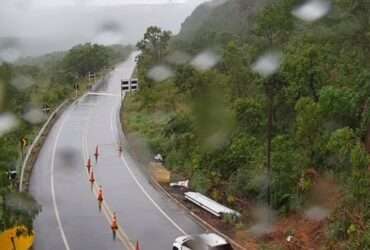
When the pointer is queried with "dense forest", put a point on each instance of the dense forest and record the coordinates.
(27, 87)
(254, 102)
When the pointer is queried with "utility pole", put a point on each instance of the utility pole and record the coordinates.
(269, 138)
(92, 78)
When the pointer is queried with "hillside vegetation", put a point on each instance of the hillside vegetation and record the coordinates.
(25, 89)
(285, 105)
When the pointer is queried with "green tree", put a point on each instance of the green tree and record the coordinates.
(185, 79)
(308, 127)
(249, 113)
(302, 68)
(341, 143)
(82, 59)
(155, 42)
(288, 168)
(274, 22)
(236, 66)
(340, 105)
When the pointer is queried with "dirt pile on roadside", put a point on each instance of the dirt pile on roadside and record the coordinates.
(307, 229)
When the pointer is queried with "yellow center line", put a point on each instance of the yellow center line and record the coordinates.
(105, 207)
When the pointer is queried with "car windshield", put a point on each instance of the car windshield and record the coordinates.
(139, 124)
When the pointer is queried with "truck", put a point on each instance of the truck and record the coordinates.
(206, 241)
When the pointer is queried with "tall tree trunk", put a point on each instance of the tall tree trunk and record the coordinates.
(312, 82)
(270, 97)
(365, 119)
(367, 143)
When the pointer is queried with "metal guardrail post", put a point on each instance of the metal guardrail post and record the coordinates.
(34, 143)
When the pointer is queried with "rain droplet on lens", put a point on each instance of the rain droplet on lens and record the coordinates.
(160, 73)
(34, 116)
(316, 213)
(205, 60)
(2, 94)
(267, 64)
(109, 33)
(8, 122)
(22, 82)
(178, 57)
(69, 156)
(264, 217)
(9, 55)
(21, 203)
(9, 50)
(261, 229)
(312, 10)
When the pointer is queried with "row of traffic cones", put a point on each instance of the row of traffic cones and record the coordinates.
(96, 154)
(100, 196)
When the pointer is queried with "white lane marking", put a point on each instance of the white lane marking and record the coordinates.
(150, 198)
(103, 94)
(56, 210)
(111, 123)
(106, 209)
(146, 193)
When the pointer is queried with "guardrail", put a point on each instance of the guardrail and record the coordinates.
(35, 142)
(210, 205)
(22, 178)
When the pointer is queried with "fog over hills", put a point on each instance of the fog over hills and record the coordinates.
(27, 28)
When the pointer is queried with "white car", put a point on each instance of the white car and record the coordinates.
(208, 241)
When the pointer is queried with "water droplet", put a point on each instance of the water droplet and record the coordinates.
(264, 218)
(261, 229)
(160, 73)
(178, 57)
(8, 122)
(22, 82)
(205, 60)
(312, 10)
(9, 55)
(21, 202)
(109, 33)
(35, 116)
(69, 156)
(2, 94)
(9, 50)
(316, 213)
(267, 64)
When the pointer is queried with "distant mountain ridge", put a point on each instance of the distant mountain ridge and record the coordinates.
(39, 32)
(219, 16)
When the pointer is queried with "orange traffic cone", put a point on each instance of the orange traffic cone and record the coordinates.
(88, 165)
(100, 194)
(114, 225)
(92, 177)
(137, 245)
(96, 152)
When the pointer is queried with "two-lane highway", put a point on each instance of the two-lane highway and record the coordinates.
(70, 218)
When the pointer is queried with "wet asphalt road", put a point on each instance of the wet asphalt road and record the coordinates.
(70, 218)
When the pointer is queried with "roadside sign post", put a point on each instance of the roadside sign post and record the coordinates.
(46, 108)
(125, 86)
(134, 84)
(76, 86)
(92, 78)
(129, 85)
(24, 143)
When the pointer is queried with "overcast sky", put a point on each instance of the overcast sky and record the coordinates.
(41, 26)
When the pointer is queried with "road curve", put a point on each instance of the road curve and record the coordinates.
(70, 218)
